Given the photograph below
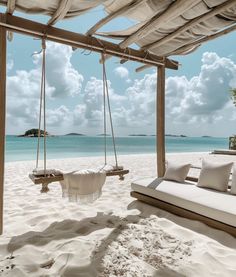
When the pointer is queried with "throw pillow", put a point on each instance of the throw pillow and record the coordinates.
(176, 172)
(214, 175)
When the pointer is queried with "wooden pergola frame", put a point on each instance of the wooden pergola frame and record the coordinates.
(12, 23)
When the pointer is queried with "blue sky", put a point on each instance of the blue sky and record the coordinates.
(197, 97)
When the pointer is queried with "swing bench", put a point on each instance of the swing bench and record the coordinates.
(45, 179)
(57, 176)
(46, 176)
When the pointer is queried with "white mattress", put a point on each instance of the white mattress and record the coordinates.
(220, 206)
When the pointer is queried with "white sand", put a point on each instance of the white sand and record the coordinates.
(44, 235)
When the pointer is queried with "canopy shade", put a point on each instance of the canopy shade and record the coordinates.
(163, 27)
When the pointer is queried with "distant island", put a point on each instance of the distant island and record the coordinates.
(74, 134)
(31, 133)
(177, 136)
(138, 135)
(206, 136)
(167, 135)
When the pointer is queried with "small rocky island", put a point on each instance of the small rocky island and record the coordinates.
(176, 136)
(74, 134)
(138, 135)
(34, 133)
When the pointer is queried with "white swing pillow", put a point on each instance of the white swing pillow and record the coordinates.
(176, 171)
(214, 175)
(40, 171)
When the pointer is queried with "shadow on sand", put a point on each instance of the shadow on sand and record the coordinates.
(65, 229)
(72, 228)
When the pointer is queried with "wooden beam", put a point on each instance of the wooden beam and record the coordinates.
(28, 27)
(141, 68)
(160, 121)
(202, 40)
(11, 4)
(214, 11)
(159, 20)
(2, 114)
(113, 15)
(61, 12)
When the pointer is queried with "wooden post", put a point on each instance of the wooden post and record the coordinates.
(2, 115)
(160, 121)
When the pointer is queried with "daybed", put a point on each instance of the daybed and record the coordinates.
(217, 209)
(224, 152)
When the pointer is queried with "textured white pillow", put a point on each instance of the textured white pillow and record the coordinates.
(176, 172)
(214, 176)
(233, 184)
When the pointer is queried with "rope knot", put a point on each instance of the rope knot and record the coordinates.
(44, 43)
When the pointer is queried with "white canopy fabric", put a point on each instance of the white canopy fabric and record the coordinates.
(49, 7)
(176, 41)
(147, 9)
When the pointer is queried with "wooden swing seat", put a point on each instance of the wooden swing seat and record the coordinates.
(41, 179)
(118, 172)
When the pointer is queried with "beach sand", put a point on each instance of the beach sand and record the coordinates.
(45, 235)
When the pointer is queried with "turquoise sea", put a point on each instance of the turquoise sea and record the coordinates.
(58, 147)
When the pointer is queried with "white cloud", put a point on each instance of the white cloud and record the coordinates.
(122, 72)
(93, 101)
(10, 65)
(23, 88)
(79, 115)
(192, 105)
(58, 116)
(141, 99)
(21, 112)
(26, 84)
(61, 74)
(93, 97)
(203, 96)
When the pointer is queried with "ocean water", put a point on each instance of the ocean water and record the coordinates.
(58, 147)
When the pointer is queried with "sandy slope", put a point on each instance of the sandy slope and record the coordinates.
(44, 235)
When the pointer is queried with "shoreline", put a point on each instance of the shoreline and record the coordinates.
(111, 156)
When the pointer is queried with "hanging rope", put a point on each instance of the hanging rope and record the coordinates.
(106, 94)
(104, 112)
(42, 104)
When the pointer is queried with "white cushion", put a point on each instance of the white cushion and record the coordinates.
(176, 172)
(217, 205)
(233, 184)
(214, 176)
(40, 171)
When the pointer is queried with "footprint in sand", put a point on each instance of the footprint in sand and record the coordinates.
(6, 265)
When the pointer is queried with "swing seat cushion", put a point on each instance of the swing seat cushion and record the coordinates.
(41, 172)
